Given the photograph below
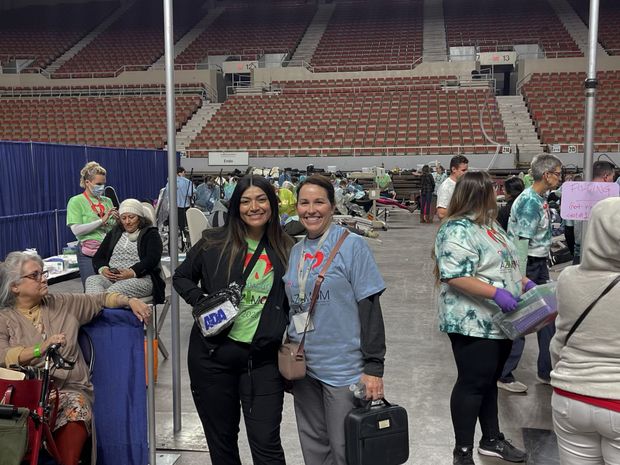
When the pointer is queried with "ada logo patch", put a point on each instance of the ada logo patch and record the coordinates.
(214, 318)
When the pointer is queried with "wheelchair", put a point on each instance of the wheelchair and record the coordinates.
(36, 394)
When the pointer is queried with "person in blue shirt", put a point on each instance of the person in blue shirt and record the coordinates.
(207, 194)
(185, 193)
(203, 195)
(345, 342)
(285, 176)
(229, 188)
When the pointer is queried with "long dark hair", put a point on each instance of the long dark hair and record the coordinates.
(473, 198)
(231, 238)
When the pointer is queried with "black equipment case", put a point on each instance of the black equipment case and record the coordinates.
(377, 435)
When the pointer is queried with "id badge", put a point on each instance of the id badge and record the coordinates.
(299, 320)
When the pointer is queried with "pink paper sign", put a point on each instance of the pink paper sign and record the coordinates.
(578, 198)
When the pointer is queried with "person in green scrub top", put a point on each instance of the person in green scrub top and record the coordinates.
(90, 215)
(238, 366)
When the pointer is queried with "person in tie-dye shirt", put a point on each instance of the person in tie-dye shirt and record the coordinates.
(478, 268)
(529, 226)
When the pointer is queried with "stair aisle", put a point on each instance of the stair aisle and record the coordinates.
(188, 38)
(312, 37)
(575, 26)
(520, 130)
(195, 124)
(435, 48)
(77, 48)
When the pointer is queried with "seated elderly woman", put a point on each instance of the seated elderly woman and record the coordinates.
(128, 259)
(31, 320)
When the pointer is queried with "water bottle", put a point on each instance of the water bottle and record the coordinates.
(358, 389)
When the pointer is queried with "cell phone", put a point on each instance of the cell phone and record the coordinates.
(114, 270)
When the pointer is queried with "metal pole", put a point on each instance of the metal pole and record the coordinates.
(590, 85)
(150, 374)
(173, 219)
(58, 250)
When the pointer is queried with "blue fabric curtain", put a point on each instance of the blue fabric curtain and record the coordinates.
(16, 179)
(138, 174)
(119, 380)
(45, 231)
(37, 180)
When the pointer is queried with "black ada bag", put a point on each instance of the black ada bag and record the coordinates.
(377, 434)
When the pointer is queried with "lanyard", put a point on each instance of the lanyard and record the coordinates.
(99, 209)
(303, 274)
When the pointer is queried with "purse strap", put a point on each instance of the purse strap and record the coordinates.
(587, 310)
(248, 269)
(317, 287)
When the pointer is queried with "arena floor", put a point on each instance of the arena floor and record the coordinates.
(419, 371)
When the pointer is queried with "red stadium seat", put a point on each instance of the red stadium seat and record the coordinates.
(558, 112)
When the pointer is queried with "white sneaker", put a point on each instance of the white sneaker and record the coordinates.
(543, 380)
(513, 386)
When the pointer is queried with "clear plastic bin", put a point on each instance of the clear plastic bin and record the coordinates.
(537, 308)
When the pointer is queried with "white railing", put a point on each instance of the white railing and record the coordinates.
(118, 71)
(349, 151)
(599, 147)
(351, 67)
(108, 90)
(417, 150)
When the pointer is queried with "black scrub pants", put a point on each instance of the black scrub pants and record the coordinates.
(479, 362)
(182, 218)
(224, 381)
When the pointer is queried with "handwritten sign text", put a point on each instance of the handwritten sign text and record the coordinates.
(578, 198)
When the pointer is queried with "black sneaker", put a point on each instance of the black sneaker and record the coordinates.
(500, 447)
(463, 456)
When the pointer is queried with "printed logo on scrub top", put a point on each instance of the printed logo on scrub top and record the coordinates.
(317, 258)
(264, 259)
(296, 301)
(496, 236)
(508, 262)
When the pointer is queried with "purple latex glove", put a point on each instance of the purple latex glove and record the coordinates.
(529, 285)
(505, 300)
